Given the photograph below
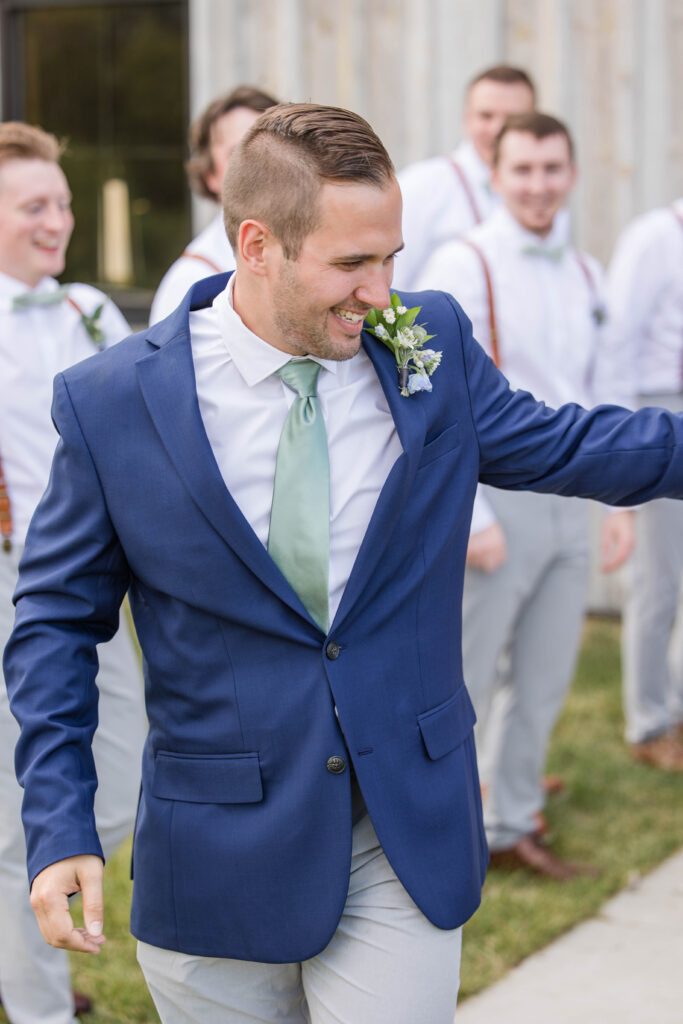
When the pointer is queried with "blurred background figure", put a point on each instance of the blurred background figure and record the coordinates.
(646, 300)
(447, 195)
(44, 328)
(536, 304)
(212, 138)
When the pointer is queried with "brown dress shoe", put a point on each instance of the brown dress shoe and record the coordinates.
(82, 1003)
(527, 853)
(664, 752)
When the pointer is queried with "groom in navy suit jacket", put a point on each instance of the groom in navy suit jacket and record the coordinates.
(310, 823)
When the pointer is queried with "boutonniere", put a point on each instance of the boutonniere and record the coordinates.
(92, 326)
(396, 328)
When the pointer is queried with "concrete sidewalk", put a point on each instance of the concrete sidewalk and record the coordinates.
(623, 966)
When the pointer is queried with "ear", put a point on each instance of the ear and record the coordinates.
(254, 240)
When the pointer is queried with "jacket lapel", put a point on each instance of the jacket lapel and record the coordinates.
(409, 417)
(164, 376)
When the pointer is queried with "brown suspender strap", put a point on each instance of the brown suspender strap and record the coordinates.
(466, 189)
(203, 259)
(5, 514)
(493, 329)
(678, 215)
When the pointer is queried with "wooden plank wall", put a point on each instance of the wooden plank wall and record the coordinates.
(613, 69)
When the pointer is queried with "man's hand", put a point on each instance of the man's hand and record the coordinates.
(618, 539)
(487, 550)
(49, 899)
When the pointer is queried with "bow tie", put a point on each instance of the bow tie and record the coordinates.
(32, 299)
(554, 254)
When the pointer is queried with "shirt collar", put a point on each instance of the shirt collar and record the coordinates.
(254, 358)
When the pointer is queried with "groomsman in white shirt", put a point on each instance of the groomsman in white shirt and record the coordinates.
(212, 139)
(445, 196)
(646, 299)
(537, 308)
(45, 327)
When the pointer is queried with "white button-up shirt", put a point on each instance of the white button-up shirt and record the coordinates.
(436, 207)
(244, 407)
(645, 288)
(549, 339)
(35, 344)
(210, 244)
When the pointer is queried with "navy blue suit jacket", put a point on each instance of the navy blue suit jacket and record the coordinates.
(243, 837)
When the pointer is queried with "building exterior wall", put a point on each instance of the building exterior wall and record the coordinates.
(612, 69)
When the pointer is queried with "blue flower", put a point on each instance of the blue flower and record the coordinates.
(419, 382)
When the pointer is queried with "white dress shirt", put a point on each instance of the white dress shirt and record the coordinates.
(244, 431)
(645, 288)
(549, 340)
(35, 344)
(211, 244)
(436, 207)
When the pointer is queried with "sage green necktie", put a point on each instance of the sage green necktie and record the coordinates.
(554, 254)
(299, 537)
(32, 298)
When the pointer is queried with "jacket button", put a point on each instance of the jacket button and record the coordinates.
(336, 764)
(332, 650)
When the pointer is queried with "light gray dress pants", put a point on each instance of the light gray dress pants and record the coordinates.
(521, 635)
(35, 981)
(385, 964)
(651, 637)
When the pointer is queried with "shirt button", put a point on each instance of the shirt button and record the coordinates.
(332, 650)
(336, 764)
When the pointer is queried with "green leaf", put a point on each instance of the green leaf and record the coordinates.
(395, 300)
(372, 318)
(407, 319)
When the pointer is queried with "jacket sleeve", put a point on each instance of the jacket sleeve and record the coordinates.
(606, 453)
(73, 578)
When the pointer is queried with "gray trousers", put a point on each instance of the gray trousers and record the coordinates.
(35, 981)
(521, 635)
(385, 964)
(652, 654)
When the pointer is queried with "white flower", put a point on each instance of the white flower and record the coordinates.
(389, 316)
(401, 310)
(381, 331)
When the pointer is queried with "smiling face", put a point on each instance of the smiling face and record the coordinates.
(534, 177)
(316, 303)
(488, 106)
(35, 219)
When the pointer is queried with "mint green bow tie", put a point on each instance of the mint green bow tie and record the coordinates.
(555, 254)
(33, 299)
(299, 536)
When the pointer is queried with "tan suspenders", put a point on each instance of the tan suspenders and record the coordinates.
(466, 189)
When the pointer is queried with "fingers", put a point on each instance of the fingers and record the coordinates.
(618, 540)
(487, 550)
(50, 901)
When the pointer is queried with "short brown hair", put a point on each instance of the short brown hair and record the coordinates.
(535, 123)
(199, 163)
(506, 74)
(20, 141)
(279, 167)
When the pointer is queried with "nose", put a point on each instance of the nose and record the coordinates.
(374, 289)
(57, 218)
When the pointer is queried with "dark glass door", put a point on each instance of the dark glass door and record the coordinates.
(112, 80)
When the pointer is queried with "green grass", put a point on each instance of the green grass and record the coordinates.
(622, 817)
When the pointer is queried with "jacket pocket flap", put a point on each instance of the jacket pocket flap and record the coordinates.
(446, 726)
(446, 442)
(207, 779)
